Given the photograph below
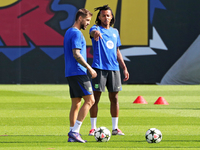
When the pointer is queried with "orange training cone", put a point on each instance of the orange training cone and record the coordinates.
(140, 100)
(161, 101)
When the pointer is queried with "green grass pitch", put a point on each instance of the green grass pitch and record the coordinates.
(35, 117)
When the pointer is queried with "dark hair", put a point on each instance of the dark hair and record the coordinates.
(105, 7)
(82, 12)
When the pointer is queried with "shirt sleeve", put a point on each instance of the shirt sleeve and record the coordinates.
(94, 27)
(76, 40)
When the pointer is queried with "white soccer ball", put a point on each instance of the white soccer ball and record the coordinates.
(102, 134)
(153, 135)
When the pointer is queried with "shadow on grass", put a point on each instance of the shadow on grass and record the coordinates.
(63, 139)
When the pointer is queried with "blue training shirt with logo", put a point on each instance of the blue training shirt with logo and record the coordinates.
(105, 49)
(74, 39)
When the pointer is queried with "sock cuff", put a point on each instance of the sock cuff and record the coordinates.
(79, 122)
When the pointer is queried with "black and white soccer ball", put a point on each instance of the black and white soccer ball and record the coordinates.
(102, 134)
(153, 135)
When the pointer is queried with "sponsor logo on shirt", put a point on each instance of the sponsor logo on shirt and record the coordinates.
(110, 44)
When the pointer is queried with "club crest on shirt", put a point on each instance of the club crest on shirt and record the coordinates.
(110, 44)
(114, 35)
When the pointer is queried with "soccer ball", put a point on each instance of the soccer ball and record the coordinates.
(102, 134)
(153, 135)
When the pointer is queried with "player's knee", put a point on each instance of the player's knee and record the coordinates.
(114, 102)
(113, 98)
(92, 101)
(89, 100)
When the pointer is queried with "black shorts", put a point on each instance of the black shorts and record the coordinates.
(79, 86)
(110, 79)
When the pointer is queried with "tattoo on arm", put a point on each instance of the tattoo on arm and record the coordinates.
(79, 58)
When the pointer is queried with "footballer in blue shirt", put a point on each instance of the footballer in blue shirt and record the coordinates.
(76, 73)
(106, 61)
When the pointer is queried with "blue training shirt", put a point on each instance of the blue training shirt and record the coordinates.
(74, 39)
(105, 49)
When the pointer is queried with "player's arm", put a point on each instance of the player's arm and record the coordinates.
(122, 65)
(95, 34)
(79, 58)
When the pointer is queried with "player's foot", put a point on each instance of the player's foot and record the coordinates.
(117, 132)
(73, 140)
(91, 133)
(75, 136)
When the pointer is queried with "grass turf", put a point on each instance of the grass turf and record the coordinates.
(36, 117)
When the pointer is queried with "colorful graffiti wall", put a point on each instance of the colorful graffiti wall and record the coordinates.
(154, 35)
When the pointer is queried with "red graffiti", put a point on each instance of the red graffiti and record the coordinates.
(28, 17)
(89, 55)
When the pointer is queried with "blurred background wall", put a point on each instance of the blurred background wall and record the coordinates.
(160, 43)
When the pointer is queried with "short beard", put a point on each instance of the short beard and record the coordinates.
(82, 26)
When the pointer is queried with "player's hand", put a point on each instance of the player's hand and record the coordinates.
(97, 34)
(92, 72)
(126, 75)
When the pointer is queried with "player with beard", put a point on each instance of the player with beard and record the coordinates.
(76, 73)
(106, 61)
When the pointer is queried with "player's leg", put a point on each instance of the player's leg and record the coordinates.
(94, 108)
(76, 102)
(89, 101)
(80, 86)
(74, 134)
(114, 86)
(94, 112)
(114, 105)
(114, 110)
(98, 84)
(75, 105)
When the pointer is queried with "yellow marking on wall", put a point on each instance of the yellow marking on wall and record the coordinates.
(90, 5)
(4, 3)
(134, 22)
